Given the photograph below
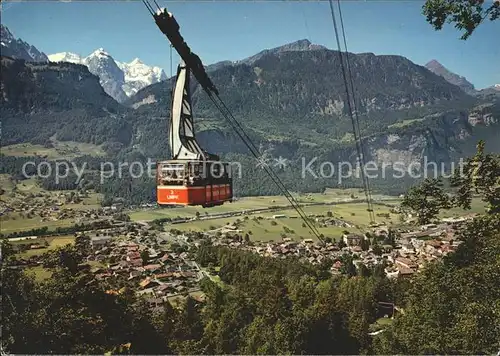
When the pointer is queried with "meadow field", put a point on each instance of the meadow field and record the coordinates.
(14, 223)
(331, 196)
(40, 273)
(291, 225)
(49, 243)
(60, 150)
(342, 203)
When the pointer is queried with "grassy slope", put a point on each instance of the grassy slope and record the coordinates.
(39, 273)
(477, 206)
(20, 224)
(263, 230)
(331, 195)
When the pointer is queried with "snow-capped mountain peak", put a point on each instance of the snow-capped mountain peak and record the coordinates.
(136, 61)
(17, 48)
(139, 75)
(100, 53)
(119, 79)
(7, 36)
(66, 57)
(111, 76)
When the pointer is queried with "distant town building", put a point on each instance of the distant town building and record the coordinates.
(406, 263)
(428, 226)
(352, 239)
(99, 241)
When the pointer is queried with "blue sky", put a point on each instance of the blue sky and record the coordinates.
(222, 30)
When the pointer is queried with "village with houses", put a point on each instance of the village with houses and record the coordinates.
(160, 264)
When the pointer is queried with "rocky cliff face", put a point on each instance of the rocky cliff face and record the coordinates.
(110, 75)
(17, 48)
(293, 104)
(296, 83)
(29, 87)
(299, 95)
(436, 139)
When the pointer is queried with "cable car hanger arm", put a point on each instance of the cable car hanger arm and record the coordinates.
(169, 26)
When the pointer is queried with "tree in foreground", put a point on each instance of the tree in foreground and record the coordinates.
(480, 175)
(466, 15)
(426, 200)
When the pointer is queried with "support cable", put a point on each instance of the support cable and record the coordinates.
(350, 108)
(356, 116)
(255, 152)
(148, 6)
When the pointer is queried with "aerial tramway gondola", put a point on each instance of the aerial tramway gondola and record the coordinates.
(192, 176)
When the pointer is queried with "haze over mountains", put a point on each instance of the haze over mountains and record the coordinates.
(291, 100)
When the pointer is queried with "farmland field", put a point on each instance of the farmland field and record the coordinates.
(39, 273)
(29, 186)
(291, 225)
(17, 221)
(477, 206)
(14, 222)
(330, 196)
(61, 150)
(6, 183)
(53, 243)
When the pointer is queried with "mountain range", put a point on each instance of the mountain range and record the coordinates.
(290, 100)
(122, 80)
(297, 46)
(119, 79)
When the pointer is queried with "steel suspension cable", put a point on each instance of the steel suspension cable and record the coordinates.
(255, 152)
(356, 116)
(349, 105)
